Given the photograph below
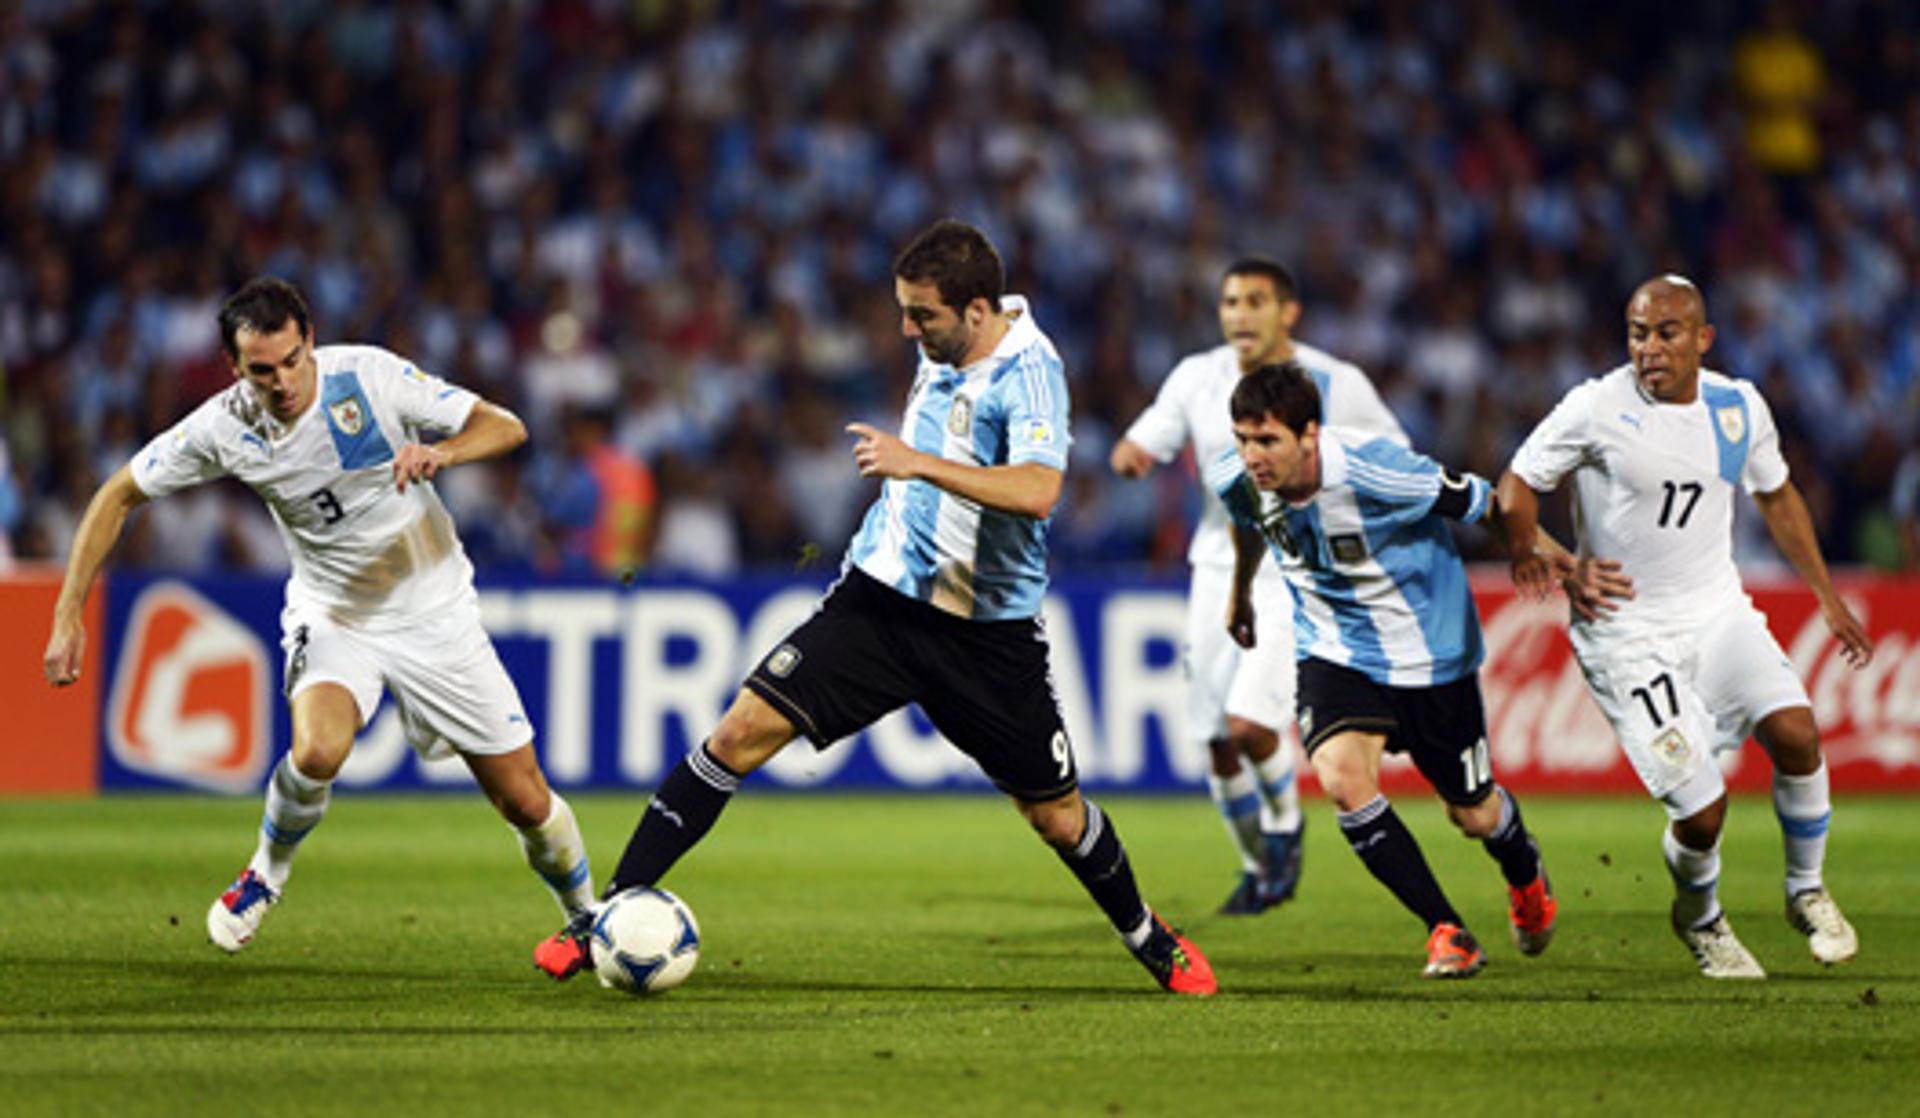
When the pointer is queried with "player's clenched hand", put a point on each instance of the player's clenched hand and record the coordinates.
(879, 454)
(1240, 620)
(1854, 645)
(65, 649)
(416, 463)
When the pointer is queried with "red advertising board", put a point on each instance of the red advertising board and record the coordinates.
(1547, 734)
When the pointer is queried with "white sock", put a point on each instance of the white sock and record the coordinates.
(1238, 798)
(1804, 809)
(557, 853)
(295, 804)
(1280, 790)
(1696, 876)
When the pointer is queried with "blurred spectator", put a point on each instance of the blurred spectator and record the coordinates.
(677, 216)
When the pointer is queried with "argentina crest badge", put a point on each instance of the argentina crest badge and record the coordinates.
(960, 416)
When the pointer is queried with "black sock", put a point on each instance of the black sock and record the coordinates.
(1100, 862)
(1388, 849)
(681, 812)
(1511, 845)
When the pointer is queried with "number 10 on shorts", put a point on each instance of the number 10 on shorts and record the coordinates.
(1477, 763)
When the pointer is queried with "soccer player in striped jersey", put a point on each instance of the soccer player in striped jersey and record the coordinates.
(1387, 639)
(1687, 669)
(938, 603)
(1238, 701)
(381, 597)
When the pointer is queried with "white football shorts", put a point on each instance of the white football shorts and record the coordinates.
(452, 692)
(1256, 684)
(1677, 699)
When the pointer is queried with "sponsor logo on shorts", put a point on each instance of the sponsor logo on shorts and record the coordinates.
(1671, 747)
(190, 693)
(782, 661)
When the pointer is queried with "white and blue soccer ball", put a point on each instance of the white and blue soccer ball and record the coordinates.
(645, 941)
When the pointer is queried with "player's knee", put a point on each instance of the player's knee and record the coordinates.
(1250, 739)
(1060, 823)
(1701, 830)
(1792, 739)
(1347, 785)
(749, 734)
(1223, 756)
(319, 756)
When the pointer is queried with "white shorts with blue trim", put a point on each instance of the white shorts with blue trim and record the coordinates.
(1256, 684)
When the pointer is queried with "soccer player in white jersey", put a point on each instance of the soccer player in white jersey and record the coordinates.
(1687, 668)
(381, 595)
(1238, 701)
(1387, 638)
(938, 603)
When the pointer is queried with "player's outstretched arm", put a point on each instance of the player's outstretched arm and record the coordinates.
(490, 430)
(99, 530)
(1027, 489)
(1785, 512)
(1130, 460)
(1249, 547)
(1592, 585)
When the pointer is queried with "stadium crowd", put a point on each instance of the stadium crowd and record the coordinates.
(661, 232)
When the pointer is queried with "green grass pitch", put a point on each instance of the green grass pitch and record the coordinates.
(923, 955)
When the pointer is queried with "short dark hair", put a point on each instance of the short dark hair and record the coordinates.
(1283, 285)
(958, 260)
(263, 305)
(1283, 391)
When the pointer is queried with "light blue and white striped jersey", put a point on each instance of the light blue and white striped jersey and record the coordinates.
(1377, 582)
(942, 548)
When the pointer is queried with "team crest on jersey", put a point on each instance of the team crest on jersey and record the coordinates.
(1733, 422)
(1672, 747)
(1348, 547)
(960, 418)
(782, 661)
(348, 415)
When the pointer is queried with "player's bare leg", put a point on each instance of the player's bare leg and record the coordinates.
(683, 809)
(1348, 766)
(325, 720)
(543, 821)
(1085, 839)
(1803, 804)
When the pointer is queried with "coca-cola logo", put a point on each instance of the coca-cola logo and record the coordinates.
(1867, 714)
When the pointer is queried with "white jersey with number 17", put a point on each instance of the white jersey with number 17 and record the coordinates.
(1653, 489)
(364, 553)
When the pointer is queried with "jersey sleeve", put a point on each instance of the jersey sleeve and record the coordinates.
(1227, 476)
(1400, 486)
(182, 456)
(1561, 443)
(424, 402)
(1355, 403)
(1766, 468)
(1162, 429)
(1036, 410)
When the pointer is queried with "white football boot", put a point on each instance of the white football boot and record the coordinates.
(1814, 915)
(1718, 951)
(236, 915)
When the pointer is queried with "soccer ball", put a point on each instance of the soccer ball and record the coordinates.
(645, 941)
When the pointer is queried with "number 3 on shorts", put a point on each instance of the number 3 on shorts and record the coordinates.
(1062, 755)
(1477, 763)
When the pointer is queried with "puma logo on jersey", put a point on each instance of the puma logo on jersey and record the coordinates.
(1630, 420)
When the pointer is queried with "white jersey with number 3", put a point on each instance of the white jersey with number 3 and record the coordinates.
(1654, 489)
(364, 553)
